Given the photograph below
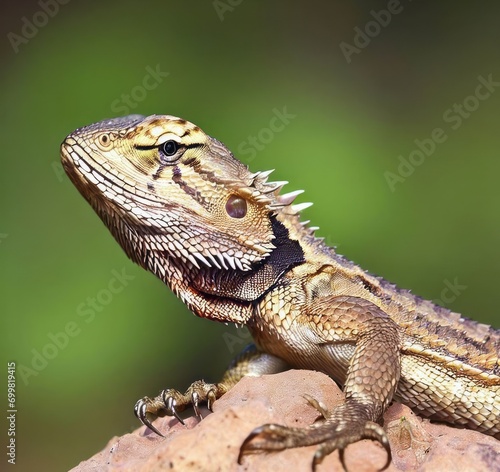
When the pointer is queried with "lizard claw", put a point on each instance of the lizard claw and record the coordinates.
(268, 437)
(211, 399)
(195, 397)
(317, 405)
(140, 410)
(170, 404)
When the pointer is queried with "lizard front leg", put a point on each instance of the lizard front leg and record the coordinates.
(250, 362)
(372, 377)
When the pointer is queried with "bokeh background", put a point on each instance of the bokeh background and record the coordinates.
(358, 100)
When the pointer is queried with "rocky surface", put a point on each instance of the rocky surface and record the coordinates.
(213, 444)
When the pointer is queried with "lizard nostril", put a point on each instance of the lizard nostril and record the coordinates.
(236, 207)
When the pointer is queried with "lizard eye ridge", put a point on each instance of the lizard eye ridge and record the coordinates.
(169, 151)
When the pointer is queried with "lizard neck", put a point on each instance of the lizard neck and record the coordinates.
(206, 289)
(252, 285)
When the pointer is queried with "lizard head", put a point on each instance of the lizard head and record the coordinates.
(162, 185)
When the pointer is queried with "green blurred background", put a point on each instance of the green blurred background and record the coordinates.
(230, 63)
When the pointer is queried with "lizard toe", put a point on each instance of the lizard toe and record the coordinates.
(328, 436)
(370, 430)
(145, 411)
(267, 438)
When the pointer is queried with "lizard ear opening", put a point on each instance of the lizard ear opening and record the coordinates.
(236, 207)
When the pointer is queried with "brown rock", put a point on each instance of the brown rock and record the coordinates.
(213, 444)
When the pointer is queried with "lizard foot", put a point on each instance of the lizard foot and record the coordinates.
(170, 402)
(337, 430)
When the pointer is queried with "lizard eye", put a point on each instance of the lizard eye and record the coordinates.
(169, 151)
(104, 141)
(236, 207)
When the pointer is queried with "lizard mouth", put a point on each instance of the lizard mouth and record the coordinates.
(77, 166)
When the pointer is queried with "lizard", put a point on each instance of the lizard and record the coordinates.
(231, 245)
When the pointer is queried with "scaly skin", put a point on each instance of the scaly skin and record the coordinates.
(234, 250)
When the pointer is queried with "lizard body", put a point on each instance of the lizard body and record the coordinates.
(233, 248)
